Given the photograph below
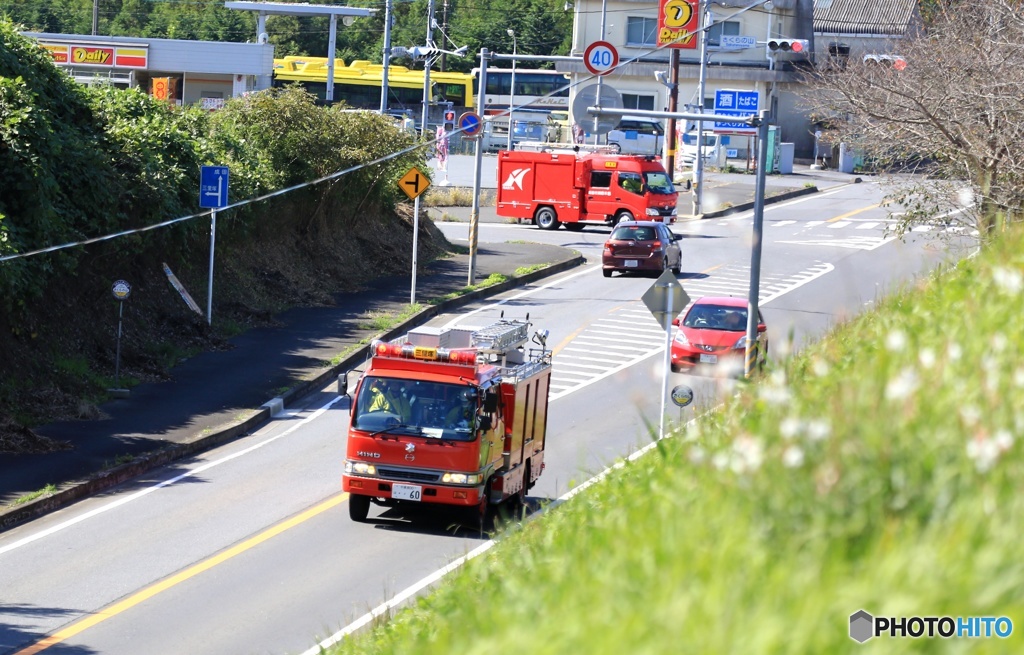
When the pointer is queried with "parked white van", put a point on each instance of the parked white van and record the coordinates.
(714, 149)
(636, 135)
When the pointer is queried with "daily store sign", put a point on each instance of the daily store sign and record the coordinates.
(81, 54)
(678, 21)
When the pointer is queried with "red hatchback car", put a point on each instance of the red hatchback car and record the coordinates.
(641, 246)
(713, 334)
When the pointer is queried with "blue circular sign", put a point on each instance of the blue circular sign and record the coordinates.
(470, 123)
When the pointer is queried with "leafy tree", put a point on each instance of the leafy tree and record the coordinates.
(957, 106)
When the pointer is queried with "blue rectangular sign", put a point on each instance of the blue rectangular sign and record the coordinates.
(213, 187)
(735, 103)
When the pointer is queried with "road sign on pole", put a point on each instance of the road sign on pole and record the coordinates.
(665, 299)
(600, 57)
(470, 124)
(213, 187)
(741, 104)
(414, 183)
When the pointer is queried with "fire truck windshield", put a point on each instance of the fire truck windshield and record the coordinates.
(414, 407)
(658, 182)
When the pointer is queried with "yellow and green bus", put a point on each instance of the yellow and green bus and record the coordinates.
(358, 84)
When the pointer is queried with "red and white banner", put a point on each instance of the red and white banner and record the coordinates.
(441, 147)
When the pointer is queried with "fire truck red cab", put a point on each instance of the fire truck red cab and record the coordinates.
(454, 416)
(552, 186)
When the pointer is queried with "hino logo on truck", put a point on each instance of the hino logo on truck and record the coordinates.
(515, 179)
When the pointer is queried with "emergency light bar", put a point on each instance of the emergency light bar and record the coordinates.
(409, 351)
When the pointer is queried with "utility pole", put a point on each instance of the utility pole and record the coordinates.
(426, 69)
(444, 29)
(387, 57)
(95, 17)
(474, 215)
(698, 164)
(673, 106)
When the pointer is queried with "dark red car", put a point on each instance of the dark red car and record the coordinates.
(712, 334)
(641, 246)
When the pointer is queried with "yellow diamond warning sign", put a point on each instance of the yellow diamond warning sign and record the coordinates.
(414, 183)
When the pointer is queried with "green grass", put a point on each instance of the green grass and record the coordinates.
(438, 196)
(384, 321)
(879, 469)
(28, 498)
(492, 279)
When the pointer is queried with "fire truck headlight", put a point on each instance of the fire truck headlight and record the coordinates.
(653, 211)
(360, 468)
(462, 478)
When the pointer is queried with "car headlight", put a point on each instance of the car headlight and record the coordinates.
(675, 210)
(652, 211)
(741, 343)
(462, 478)
(681, 338)
(360, 468)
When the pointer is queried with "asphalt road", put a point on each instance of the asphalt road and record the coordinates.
(252, 549)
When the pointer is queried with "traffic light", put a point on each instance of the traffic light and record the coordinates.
(887, 61)
(449, 119)
(788, 45)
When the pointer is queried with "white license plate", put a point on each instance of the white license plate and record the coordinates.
(407, 492)
(630, 263)
(709, 359)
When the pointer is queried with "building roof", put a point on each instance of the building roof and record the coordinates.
(882, 17)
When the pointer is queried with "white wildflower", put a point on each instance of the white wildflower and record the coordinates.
(774, 395)
(1008, 280)
(790, 427)
(819, 429)
(970, 415)
(926, 357)
(896, 341)
(747, 454)
(720, 461)
(999, 342)
(1003, 440)
(819, 367)
(697, 455)
(954, 351)
(983, 451)
(902, 385)
(793, 457)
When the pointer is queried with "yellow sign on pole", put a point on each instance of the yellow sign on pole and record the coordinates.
(414, 183)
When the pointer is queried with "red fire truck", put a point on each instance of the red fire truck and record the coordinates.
(453, 416)
(551, 186)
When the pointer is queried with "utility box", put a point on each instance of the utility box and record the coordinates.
(786, 158)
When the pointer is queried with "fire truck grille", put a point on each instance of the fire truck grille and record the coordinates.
(405, 474)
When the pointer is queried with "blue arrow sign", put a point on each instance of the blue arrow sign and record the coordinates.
(213, 187)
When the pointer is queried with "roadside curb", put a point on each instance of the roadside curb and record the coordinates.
(69, 492)
(735, 209)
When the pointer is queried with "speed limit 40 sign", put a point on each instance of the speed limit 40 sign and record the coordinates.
(600, 57)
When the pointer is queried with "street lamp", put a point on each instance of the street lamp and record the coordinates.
(512, 97)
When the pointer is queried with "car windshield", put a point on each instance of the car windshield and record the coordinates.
(433, 410)
(716, 317)
(658, 182)
(633, 233)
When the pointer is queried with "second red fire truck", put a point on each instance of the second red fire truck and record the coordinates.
(554, 186)
(454, 416)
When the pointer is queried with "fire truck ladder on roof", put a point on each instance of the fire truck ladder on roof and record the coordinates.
(501, 337)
